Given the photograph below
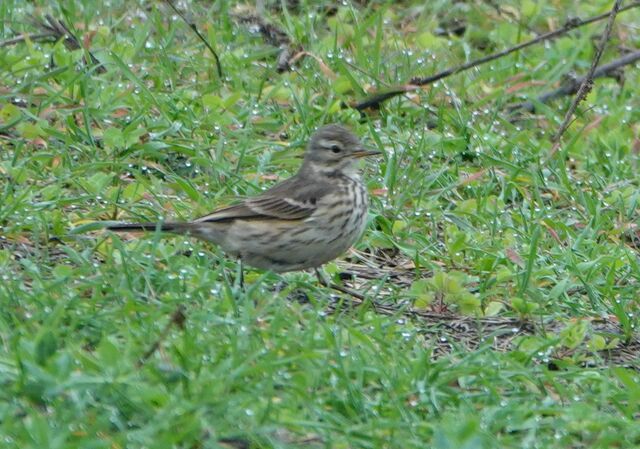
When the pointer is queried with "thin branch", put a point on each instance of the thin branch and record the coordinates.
(587, 82)
(54, 31)
(376, 99)
(41, 37)
(178, 318)
(58, 28)
(193, 26)
(325, 283)
(61, 31)
(572, 85)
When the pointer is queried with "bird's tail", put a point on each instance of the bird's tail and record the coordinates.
(128, 227)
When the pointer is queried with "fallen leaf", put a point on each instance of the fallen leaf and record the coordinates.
(56, 161)
(407, 265)
(324, 68)
(514, 78)
(523, 85)
(468, 178)
(514, 257)
(594, 124)
(39, 143)
(47, 113)
(87, 38)
(120, 112)
(553, 233)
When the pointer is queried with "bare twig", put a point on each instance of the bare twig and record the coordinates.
(324, 282)
(587, 82)
(58, 29)
(347, 291)
(61, 31)
(178, 318)
(55, 30)
(376, 99)
(40, 37)
(193, 26)
(571, 86)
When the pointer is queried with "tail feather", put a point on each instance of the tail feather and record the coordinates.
(124, 227)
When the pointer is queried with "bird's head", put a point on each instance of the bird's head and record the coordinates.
(334, 149)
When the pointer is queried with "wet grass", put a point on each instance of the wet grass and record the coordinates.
(471, 209)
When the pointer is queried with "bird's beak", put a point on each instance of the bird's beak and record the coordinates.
(365, 153)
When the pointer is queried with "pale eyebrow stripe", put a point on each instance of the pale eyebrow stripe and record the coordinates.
(328, 143)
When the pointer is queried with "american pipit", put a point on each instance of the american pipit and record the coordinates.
(302, 222)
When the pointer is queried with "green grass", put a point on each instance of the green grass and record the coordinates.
(476, 213)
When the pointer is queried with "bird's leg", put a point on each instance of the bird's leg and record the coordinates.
(321, 278)
(240, 275)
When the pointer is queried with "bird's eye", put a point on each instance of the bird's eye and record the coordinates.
(336, 148)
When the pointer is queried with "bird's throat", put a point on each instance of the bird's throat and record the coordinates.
(348, 169)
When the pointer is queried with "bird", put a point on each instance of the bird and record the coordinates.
(300, 223)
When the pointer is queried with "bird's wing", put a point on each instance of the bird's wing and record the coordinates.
(292, 199)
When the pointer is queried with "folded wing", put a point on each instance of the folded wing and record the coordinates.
(290, 200)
